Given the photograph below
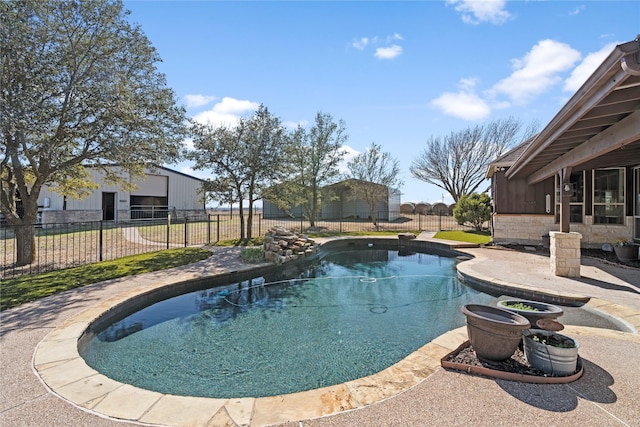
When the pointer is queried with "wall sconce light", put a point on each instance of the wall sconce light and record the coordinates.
(547, 203)
(567, 187)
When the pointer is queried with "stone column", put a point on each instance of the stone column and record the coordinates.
(565, 253)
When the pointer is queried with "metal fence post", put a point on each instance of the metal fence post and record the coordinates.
(100, 243)
(168, 229)
(301, 223)
(440, 222)
(209, 229)
(186, 232)
(218, 228)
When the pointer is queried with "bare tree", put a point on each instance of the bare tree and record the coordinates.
(78, 86)
(314, 157)
(457, 163)
(373, 174)
(245, 159)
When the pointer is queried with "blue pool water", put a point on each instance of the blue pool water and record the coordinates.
(347, 316)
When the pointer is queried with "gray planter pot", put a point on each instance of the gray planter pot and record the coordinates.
(494, 333)
(542, 310)
(626, 253)
(548, 358)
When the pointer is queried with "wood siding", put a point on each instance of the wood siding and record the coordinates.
(515, 196)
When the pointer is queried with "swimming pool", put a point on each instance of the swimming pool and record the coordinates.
(346, 316)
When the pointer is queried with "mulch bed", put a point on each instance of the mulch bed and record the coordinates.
(609, 257)
(515, 368)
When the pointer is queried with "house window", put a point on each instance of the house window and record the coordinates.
(608, 196)
(576, 203)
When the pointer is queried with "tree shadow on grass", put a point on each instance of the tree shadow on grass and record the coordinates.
(49, 312)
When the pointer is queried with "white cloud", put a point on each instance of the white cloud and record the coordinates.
(468, 83)
(463, 104)
(581, 73)
(577, 10)
(226, 112)
(537, 71)
(294, 125)
(350, 154)
(360, 43)
(385, 48)
(198, 100)
(388, 52)
(475, 12)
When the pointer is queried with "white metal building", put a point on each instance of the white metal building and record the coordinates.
(161, 191)
(343, 207)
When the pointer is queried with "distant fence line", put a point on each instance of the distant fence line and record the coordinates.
(72, 244)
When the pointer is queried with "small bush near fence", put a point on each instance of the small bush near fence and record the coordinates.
(72, 244)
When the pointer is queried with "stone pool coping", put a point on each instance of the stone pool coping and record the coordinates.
(58, 364)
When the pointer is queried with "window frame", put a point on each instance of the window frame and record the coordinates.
(619, 204)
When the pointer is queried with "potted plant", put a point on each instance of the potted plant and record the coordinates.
(540, 314)
(494, 333)
(551, 352)
(626, 250)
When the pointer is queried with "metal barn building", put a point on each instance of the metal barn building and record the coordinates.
(161, 191)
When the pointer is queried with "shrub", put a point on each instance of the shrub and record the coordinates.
(474, 209)
(252, 254)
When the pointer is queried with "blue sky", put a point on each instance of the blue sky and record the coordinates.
(396, 72)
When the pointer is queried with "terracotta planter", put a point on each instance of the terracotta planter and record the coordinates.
(626, 253)
(542, 311)
(494, 333)
(551, 359)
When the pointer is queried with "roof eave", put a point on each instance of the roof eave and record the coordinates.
(622, 61)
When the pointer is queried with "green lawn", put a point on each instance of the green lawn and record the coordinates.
(359, 233)
(20, 290)
(479, 237)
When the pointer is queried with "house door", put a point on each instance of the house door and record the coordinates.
(636, 203)
(108, 206)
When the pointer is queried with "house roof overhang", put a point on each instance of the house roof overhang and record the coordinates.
(598, 127)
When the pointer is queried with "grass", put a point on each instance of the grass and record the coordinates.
(479, 237)
(255, 241)
(359, 233)
(24, 289)
(252, 254)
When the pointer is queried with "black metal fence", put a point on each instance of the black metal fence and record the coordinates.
(66, 245)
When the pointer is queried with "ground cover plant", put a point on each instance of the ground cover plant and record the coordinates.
(470, 236)
(24, 289)
(252, 254)
(521, 306)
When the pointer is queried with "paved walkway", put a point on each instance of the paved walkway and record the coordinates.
(419, 393)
